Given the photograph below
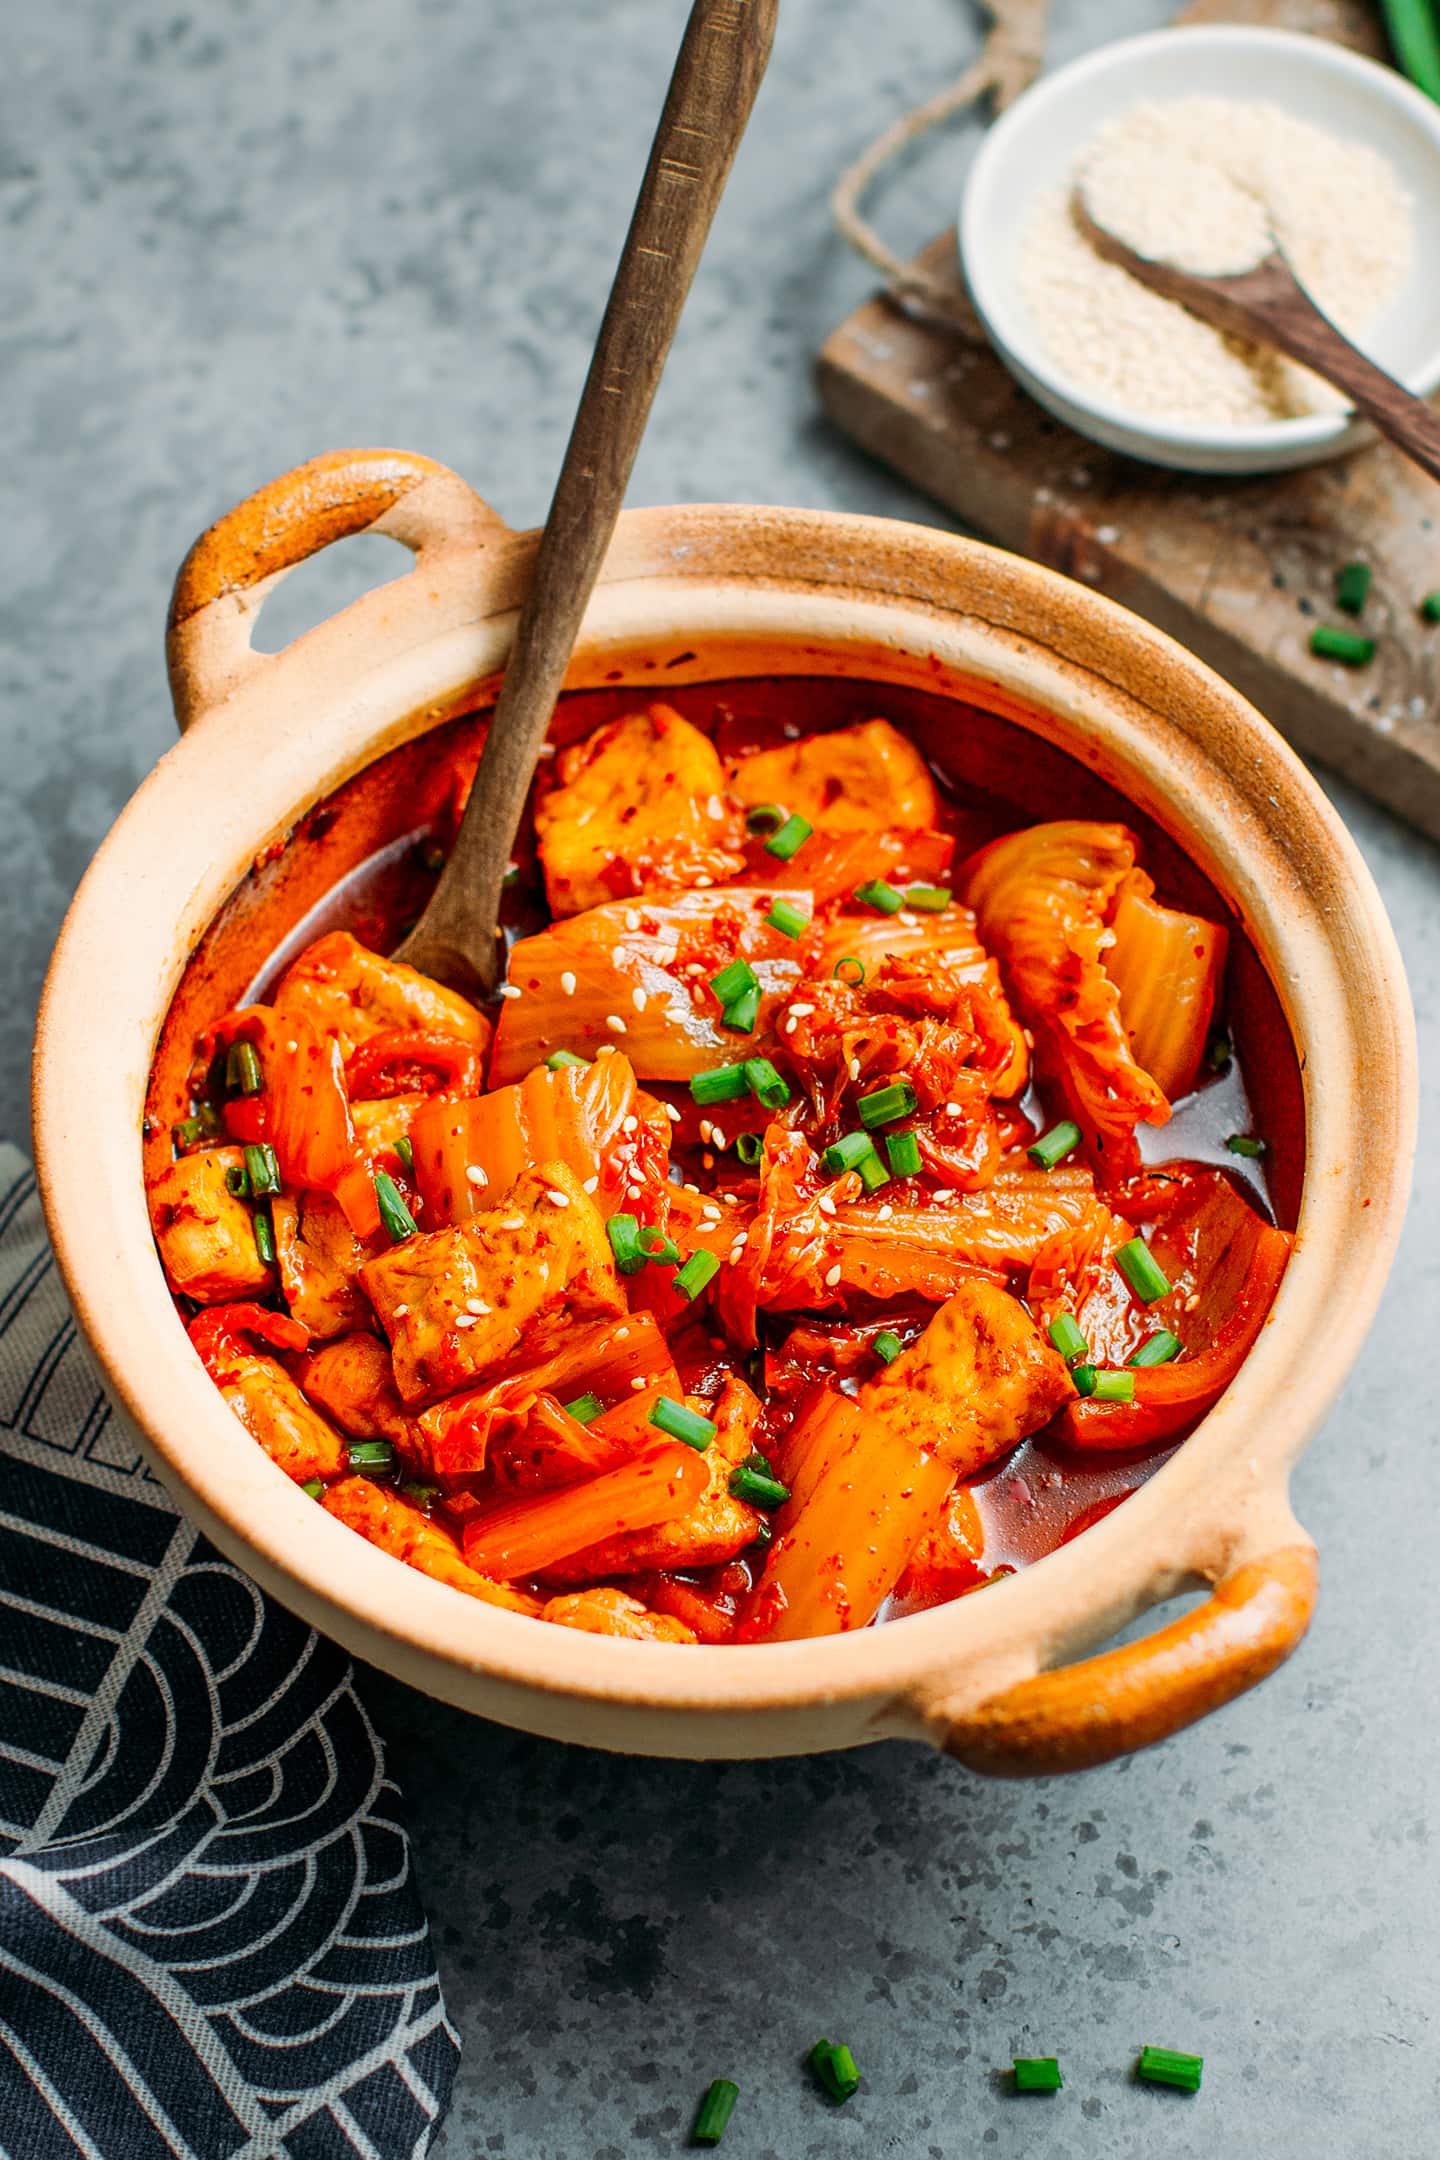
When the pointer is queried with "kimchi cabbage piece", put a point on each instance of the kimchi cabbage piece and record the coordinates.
(694, 1294)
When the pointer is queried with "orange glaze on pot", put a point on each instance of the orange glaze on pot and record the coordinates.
(1076, 961)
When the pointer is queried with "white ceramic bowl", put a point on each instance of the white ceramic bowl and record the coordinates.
(1032, 149)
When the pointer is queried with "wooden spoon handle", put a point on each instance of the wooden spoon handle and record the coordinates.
(1299, 328)
(717, 74)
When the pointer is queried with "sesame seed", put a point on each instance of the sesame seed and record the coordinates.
(704, 881)
(715, 807)
(854, 1068)
(465, 1319)
(952, 1109)
(590, 1184)
(512, 1222)
(742, 1238)
(607, 1049)
(292, 1047)
(706, 1128)
(476, 1305)
(672, 1113)
(400, 1312)
(790, 1026)
(717, 1137)
(559, 1199)
(832, 1276)
(801, 1012)
(638, 1000)
(907, 918)
(883, 1214)
(695, 967)
(639, 1381)
(825, 1204)
(509, 990)
(709, 1212)
(474, 1175)
(567, 983)
(632, 918)
(615, 1023)
(691, 1188)
(630, 1124)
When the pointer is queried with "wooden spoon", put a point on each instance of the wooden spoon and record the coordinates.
(1268, 305)
(717, 74)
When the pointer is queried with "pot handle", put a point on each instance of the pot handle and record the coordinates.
(224, 579)
(1082, 1715)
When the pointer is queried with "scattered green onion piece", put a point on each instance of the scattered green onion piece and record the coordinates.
(1052, 1147)
(185, 1134)
(756, 1488)
(1085, 1377)
(1430, 607)
(928, 899)
(420, 1494)
(716, 2109)
(742, 1012)
(656, 1247)
(1415, 41)
(848, 1153)
(584, 1408)
(788, 919)
(834, 2071)
(203, 1124)
(1166, 2066)
(1114, 1387)
(1037, 2073)
(1067, 1338)
(877, 894)
(789, 840)
(725, 1083)
(1352, 587)
(765, 1083)
(1240, 1143)
(903, 1150)
(405, 1153)
(559, 1060)
(1157, 1349)
(399, 1222)
(848, 960)
(372, 1456)
(263, 1170)
(888, 1103)
(1344, 645)
(237, 1183)
(242, 1069)
(265, 1236)
(873, 1173)
(1142, 1271)
(623, 1232)
(733, 981)
(699, 1269)
(314, 1487)
(765, 817)
(683, 1424)
(887, 1346)
(1218, 1053)
(749, 1147)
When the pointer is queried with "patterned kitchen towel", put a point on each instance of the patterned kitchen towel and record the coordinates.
(210, 1939)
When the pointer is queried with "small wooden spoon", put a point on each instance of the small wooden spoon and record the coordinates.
(1268, 305)
(717, 74)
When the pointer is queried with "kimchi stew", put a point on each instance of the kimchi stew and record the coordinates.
(798, 1243)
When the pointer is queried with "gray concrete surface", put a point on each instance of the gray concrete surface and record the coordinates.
(241, 232)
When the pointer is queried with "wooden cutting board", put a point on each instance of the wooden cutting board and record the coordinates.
(1238, 570)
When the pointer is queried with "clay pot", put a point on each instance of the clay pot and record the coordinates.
(692, 596)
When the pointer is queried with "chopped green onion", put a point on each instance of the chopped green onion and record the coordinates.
(848, 1153)
(699, 1269)
(722, 1084)
(399, 1222)
(405, 1152)
(888, 1103)
(1166, 2066)
(877, 894)
(716, 2109)
(749, 1147)
(1344, 645)
(1037, 2073)
(1067, 1338)
(237, 1184)
(1218, 1053)
(265, 1236)
(790, 920)
(1415, 42)
(1430, 607)
(314, 1486)
(757, 1487)
(765, 1083)
(372, 1456)
(1113, 1386)
(1142, 1271)
(242, 1069)
(584, 1408)
(654, 1244)
(929, 899)
(834, 2071)
(421, 1494)
(766, 817)
(790, 839)
(1085, 1377)
(558, 1060)
(903, 1150)
(204, 1124)
(262, 1169)
(873, 1173)
(1240, 1143)
(623, 1232)
(851, 982)
(742, 1012)
(887, 1345)
(673, 1417)
(1157, 1349)
(1352, 587)
(733, 981)
(1052, 1147)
